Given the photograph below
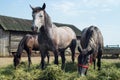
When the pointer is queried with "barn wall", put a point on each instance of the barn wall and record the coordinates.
(4, 43)
(15, 38)
(9, 41)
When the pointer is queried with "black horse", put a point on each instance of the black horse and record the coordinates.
(91, 47)
(51, 37)
(27, 43)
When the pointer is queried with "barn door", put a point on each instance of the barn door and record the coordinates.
(4, 43)
(15, 40)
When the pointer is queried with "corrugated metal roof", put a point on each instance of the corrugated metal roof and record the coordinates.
(17, 24)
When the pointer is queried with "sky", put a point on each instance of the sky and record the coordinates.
(105, 14)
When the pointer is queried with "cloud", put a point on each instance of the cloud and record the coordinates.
(93, 18)
(84, 10)
(101, 3)
(106, 10)
(80, 7)
(65, 7)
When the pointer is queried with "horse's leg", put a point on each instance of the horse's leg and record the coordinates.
(62, 54)
(29, 56)
(48, 56)
(99, 59)
(94, 62)
(56, 56)
(72, 48)
(42, 58)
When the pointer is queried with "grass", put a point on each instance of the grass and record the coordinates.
(110, 71)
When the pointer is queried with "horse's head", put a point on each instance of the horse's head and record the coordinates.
(83, 60)
(16, 60)
(38, 14)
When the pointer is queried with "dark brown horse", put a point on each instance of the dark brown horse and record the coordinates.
(27, 43)
(91, 47)
(51, 37)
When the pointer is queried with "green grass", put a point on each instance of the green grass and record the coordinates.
(110, 71)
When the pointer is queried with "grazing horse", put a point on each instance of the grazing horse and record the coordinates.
(27, 43)
(91, 47)
(51, 37)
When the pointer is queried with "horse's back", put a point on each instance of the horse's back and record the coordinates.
(68, 31)
(63, 36)
(32, 41)
(100, 37)
(93, 36)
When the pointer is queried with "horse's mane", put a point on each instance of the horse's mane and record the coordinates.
(48, 22)
(21, 46)
(44, 30)
(90, 36)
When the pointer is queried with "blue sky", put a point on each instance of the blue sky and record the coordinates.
(105, 14)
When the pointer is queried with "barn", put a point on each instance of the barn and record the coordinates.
(13, 29)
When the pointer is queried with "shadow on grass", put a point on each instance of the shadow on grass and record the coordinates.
(117, 64)
(9, 70)
(70, 67)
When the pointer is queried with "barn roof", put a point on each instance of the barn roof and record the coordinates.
(17, 24)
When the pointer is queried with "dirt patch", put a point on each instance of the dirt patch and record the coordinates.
(36, 60)
(7, 61)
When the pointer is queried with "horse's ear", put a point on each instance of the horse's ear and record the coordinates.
(44, 6)
(90, 52)
(79, 49)
(14, 54)
(31, 7)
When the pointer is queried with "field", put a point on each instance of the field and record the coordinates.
(110, 70)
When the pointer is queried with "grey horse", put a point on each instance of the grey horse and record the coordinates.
(51, 37)
(91, 46)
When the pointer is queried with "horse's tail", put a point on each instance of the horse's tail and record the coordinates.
(72, 47)
(21, 46)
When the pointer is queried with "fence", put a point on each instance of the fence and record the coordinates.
(112, 50)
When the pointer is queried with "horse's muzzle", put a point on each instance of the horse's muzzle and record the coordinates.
(82, 69)
(34, 29)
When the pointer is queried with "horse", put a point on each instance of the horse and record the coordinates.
(27, 43)
(91, 47)
(51, 37)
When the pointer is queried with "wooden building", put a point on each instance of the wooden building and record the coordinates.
(13, 29)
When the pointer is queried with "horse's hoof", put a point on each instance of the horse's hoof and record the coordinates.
(56, 62)
(15, 68)
(63, 67)
(82, 75)
(73, 62)
(99, 69)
